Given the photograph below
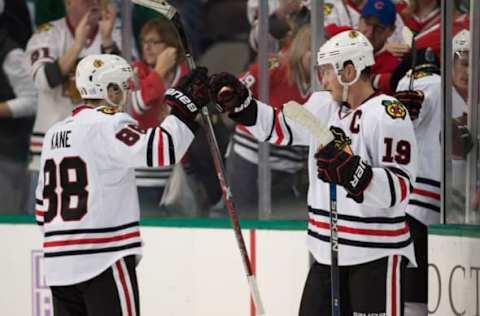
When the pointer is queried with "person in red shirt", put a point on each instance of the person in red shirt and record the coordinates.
(377, 23)
(419, 15)
(161, 66)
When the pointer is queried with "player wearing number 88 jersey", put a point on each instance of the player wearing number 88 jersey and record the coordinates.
(86, 197)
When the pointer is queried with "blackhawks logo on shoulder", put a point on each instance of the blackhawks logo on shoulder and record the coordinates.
(395, 109)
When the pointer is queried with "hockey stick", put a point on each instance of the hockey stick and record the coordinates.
(302, 116)
(165, 9)
(409, 37)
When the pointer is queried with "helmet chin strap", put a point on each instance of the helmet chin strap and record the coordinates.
(346, 85)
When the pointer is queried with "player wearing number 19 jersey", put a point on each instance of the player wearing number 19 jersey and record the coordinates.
(373, 179)
(86, 199)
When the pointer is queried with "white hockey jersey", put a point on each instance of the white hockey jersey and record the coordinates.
(424, 203)
(48, 44)
(382, 134)
(86, 198)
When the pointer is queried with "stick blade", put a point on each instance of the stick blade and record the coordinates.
(161, 6)
(302, 116)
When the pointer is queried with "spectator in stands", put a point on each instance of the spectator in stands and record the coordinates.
(18, 98)
(377, 23)
(54, 51)
(289, 79)
(284, 15)
(161, 67)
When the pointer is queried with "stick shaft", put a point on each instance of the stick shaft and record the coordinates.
(220, 170)
(334, 269)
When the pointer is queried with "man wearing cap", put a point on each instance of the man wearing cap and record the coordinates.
(377, 23)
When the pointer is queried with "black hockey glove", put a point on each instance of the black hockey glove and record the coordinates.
(189, 95)
(412, 100)
(462, 141)
(233, 97)
(339, 167)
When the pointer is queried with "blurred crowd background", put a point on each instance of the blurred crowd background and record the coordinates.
(41, 41)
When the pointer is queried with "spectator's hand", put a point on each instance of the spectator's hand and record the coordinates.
(106, 25)
(189, 95)
(229, 93)
(412, 100)
(398, 50)
(340, 167)
(166, 60)
(462, 141)
(83, 30)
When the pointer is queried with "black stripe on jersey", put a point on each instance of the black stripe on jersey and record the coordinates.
(91, 251)
(428, 181)
(393, 194)
(39, 202)
(171, 149)
(91, 230)
(399, 172)
(39, 223)
(370, 220)
(38, 134)
(151, 137)
(35, 153)
(273, 126)
(289, 131)
(363, 244)
(424, 205)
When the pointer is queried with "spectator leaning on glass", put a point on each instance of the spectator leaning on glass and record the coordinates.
(86, 199)
(54, 51)
(18, 99)
(161, 67)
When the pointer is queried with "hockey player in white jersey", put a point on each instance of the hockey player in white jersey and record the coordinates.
(86, 199)
(421, 95)
(373, 183)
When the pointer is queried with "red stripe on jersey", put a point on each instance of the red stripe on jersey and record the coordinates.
(34, 143)
(394, 286)
(426, 193)
(362, 231)
(278, 130)
(90, 240)
(243, 129)
(124, 287)
(39, 213)
(161, 160)
(403, 188)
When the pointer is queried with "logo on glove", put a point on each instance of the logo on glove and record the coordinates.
(178, 95)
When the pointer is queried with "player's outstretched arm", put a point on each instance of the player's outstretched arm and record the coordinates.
(263, 121)
(166, 144)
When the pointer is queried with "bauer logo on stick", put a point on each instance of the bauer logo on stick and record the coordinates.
(394, 109)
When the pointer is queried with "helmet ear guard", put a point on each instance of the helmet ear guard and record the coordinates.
(96, 73)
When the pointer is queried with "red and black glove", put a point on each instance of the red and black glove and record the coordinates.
(189, 95)
(339, 167)
(412, 100)
(233, 97)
